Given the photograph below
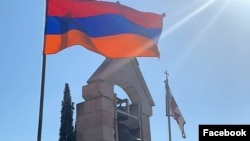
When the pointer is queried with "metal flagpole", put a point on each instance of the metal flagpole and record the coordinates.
(41, 99)
(168, 105)
(40, 118)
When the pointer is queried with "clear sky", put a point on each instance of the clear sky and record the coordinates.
(205, 46)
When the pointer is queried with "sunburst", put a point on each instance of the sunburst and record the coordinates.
(187, 18)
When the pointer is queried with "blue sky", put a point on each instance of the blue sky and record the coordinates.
(205, 47)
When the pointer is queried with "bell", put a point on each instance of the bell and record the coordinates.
(124, 133)
(120, 116)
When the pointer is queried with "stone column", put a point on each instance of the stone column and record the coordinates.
(95, 116)
(146, 135)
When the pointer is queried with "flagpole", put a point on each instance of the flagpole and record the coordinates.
(40, 120)
(167, 105)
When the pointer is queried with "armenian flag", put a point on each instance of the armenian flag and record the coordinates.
(110, 29)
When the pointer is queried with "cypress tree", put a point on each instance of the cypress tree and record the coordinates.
(67, 129)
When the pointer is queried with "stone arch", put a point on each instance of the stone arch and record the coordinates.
(126, 74)
(130, 91)
(121, 93)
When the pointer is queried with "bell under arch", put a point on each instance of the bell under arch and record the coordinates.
(97, 114)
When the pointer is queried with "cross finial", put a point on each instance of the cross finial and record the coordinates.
(166, 72)
(166, 81)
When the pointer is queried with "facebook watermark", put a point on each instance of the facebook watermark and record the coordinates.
(221, 132)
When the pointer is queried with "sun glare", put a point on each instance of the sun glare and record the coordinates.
(245, 2)
(187, 18)
(241, 8)
(241, 3)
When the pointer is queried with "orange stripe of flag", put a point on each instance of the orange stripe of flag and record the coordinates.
(116, 46)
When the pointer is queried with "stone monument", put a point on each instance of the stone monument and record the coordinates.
(103, 116)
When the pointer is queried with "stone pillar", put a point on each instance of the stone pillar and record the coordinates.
(95, 116)
(146, 135)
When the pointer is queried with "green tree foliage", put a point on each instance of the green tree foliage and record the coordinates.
(67, 132)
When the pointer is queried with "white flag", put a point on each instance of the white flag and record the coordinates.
(175, 112)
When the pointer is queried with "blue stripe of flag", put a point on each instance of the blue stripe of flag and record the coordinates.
(99, 26)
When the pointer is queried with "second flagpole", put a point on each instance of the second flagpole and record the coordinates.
(167, 106)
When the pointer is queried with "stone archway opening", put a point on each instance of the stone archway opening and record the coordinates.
(120, 93)
(127, 115)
